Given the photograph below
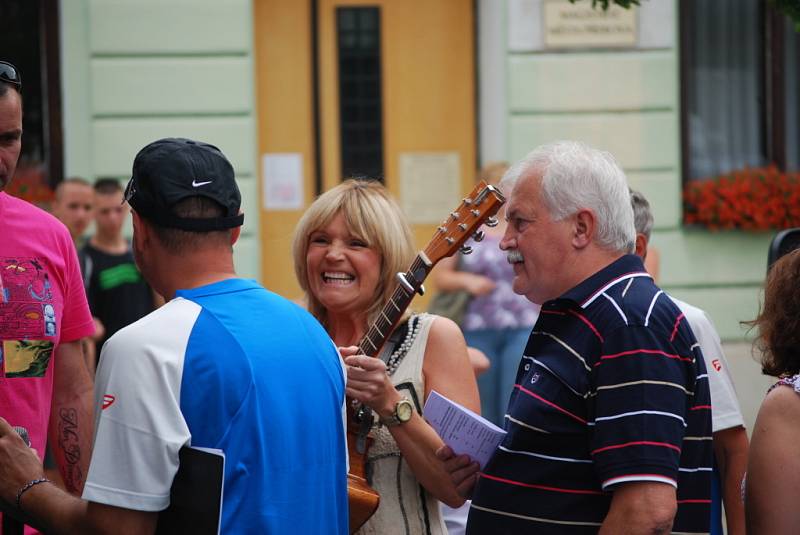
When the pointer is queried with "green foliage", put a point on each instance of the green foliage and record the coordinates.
(791, 8)
(628, 3)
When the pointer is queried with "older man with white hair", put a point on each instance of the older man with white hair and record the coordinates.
(609, 423)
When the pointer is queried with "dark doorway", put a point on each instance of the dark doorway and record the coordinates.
(29, 39)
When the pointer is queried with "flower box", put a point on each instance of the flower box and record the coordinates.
(749, 199)
(29, 184)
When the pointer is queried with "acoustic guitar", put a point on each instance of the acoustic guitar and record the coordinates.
(480, 206)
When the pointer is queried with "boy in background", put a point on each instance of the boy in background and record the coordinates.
(117, 293)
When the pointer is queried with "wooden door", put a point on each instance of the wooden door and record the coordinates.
(425, 60)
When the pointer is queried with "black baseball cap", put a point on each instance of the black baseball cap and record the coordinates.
(172, 169)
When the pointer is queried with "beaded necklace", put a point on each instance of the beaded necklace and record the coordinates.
(402, 349)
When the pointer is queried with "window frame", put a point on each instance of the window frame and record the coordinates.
(49, 18)
(774, 106)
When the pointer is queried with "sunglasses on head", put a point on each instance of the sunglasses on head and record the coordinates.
(10, 75)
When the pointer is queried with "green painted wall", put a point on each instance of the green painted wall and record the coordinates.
(627, 102)
(138, 70)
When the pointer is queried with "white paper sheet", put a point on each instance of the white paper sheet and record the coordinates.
(282, 175)
(461, 429)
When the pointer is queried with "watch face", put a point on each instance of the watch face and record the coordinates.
(404, 410)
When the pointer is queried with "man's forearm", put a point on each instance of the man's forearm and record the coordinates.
(71, 441)
(60, 513)
(71, 416)
(613, 525)
(640, 508)
(730, 450)
(54, 510)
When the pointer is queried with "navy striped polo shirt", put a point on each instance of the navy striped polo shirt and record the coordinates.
(611, 389)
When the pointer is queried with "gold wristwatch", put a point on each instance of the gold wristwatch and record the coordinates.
(403, 410)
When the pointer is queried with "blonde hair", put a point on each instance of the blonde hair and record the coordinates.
(373, 216)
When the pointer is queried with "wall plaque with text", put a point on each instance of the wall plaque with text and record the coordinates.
(569, 25)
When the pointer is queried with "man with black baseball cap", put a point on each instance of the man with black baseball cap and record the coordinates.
(224, 364)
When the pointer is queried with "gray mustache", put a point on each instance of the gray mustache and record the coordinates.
(514, 257)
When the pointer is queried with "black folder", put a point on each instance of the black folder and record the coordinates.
(195, 499)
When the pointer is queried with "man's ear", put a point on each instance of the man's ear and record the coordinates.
(140, 229)
(583, 229)
(641, 246)
(235, 233)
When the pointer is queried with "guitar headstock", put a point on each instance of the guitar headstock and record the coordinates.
(482, 203)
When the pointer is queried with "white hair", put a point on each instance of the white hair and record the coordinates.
(575, 177)
(642, 215)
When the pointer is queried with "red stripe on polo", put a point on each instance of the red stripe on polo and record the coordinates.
(587, 322)
(541, 487)
(675, 327)
(638, 443)
(646, 351)
(540, 398)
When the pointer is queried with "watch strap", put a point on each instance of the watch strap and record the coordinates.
(394, 419)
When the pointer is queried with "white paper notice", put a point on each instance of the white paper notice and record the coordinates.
(429, 184)
(282, 174)
(461, 429)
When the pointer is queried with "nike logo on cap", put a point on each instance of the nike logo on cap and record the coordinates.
(196, 184)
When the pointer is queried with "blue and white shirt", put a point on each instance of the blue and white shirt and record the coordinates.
(234, 367)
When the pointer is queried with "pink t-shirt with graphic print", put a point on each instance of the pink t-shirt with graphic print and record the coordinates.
(42, 304)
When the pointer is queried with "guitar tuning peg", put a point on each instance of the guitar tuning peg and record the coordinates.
(478, 236)
(492, 222)
(466, 249)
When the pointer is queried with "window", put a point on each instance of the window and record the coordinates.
(739, 87)
(29, 40)
(792, 91)
(360, 103)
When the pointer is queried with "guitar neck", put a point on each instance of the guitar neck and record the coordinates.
(380, 330)
(481, 204)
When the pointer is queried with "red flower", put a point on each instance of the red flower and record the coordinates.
(748, 199)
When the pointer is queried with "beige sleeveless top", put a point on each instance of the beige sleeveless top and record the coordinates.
(405, 507)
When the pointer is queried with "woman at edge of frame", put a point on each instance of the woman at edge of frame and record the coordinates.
(347, 248)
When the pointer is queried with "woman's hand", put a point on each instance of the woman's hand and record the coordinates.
(368, 382)
(447, 278)
(479, 285)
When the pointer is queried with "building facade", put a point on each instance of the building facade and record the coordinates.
(300, 94)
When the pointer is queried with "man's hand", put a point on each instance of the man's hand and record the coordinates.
(641, 508)
(463, 470)
(19, 464)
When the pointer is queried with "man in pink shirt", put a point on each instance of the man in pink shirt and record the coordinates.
(45, 386)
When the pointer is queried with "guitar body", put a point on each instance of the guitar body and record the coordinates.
(481, 204)
(362, 499)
